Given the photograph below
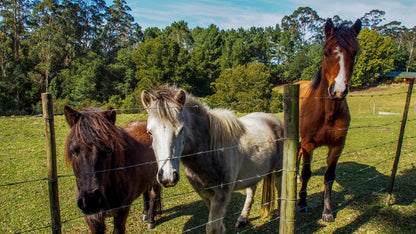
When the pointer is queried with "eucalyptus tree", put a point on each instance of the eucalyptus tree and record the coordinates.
(118, 30)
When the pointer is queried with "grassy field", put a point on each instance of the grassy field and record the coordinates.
(358, 194)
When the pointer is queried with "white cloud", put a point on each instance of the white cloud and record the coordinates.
(235, 14)
(402, 11)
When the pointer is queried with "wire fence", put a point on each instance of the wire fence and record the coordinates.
(175, 196)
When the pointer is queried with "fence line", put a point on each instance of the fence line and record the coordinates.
(187, 155)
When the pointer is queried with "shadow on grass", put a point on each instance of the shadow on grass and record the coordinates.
(360, 185)
(199, 214)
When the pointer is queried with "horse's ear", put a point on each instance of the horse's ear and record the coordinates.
(180, 97)
(356, 27)
(147, 98)
(71, 115)
(110, 114)
(329, 29)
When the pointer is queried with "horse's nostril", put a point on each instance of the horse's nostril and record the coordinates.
(175, 176)
(91, 203)
(81, 203)
(160, 175)
(331, 90)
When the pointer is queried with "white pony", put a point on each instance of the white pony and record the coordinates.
(221, 152)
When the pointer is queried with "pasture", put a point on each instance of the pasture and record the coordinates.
(359, 191)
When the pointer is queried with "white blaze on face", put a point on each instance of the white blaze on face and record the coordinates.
(167, 145)
(341, 77)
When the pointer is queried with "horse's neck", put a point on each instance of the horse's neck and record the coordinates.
(197, 132)
(206, 165)
(322, 101)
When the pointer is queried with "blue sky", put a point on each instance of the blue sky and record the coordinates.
(247, 13)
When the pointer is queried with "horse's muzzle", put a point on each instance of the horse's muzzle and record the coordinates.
(337, 95)
(168, 182)
(91, 203)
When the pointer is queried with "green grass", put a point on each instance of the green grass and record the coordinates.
(358, 194)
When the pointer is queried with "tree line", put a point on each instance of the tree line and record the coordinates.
(87, 53)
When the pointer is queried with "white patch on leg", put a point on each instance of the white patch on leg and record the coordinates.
(341, 77)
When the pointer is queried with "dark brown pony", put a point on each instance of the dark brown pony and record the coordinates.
(113, 166)
(324, 115)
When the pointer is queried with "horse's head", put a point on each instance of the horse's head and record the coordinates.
(91, 147)
(341, 47)
(165, 125)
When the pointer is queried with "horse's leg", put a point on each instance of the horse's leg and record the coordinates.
(217, 209)
(333, 156)
(243, 219)
(96, 223)
(154, 204)
(146, 200)
(120, 219)
(305, 176)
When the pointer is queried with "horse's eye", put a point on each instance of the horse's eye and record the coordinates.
(180, 131)
(326, 54)
(75, 152)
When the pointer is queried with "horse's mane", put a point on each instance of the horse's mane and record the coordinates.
(224, 126)
(347, 39)
(94, 129)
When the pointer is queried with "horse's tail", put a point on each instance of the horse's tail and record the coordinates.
(268, 199)
(300, 154)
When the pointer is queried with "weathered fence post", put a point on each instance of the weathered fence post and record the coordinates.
(291, 135)
(400, 142)
(47, 107)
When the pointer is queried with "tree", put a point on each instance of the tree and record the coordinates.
(160, 60)
(410, 44)
(88, 84)
(372, 19)
(305, 21)
(199, 82)
(180, 33)
(48, 42)
(306, 63)
(118, 30)
(375, 58)
(14, 66)
(246, 88)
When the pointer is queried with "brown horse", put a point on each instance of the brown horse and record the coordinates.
(324, 115)
(113, 166)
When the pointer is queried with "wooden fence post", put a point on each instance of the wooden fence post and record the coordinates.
(400, 142)
(47, 107)
(291, 136)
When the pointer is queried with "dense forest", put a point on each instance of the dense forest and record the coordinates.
(88, 53)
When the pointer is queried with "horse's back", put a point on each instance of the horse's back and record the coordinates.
(260, 145)
(137, 129)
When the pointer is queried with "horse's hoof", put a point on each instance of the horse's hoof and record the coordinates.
(328, 217)
(303, 209)
(150, 226)
(144, 218)
(241, 222)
